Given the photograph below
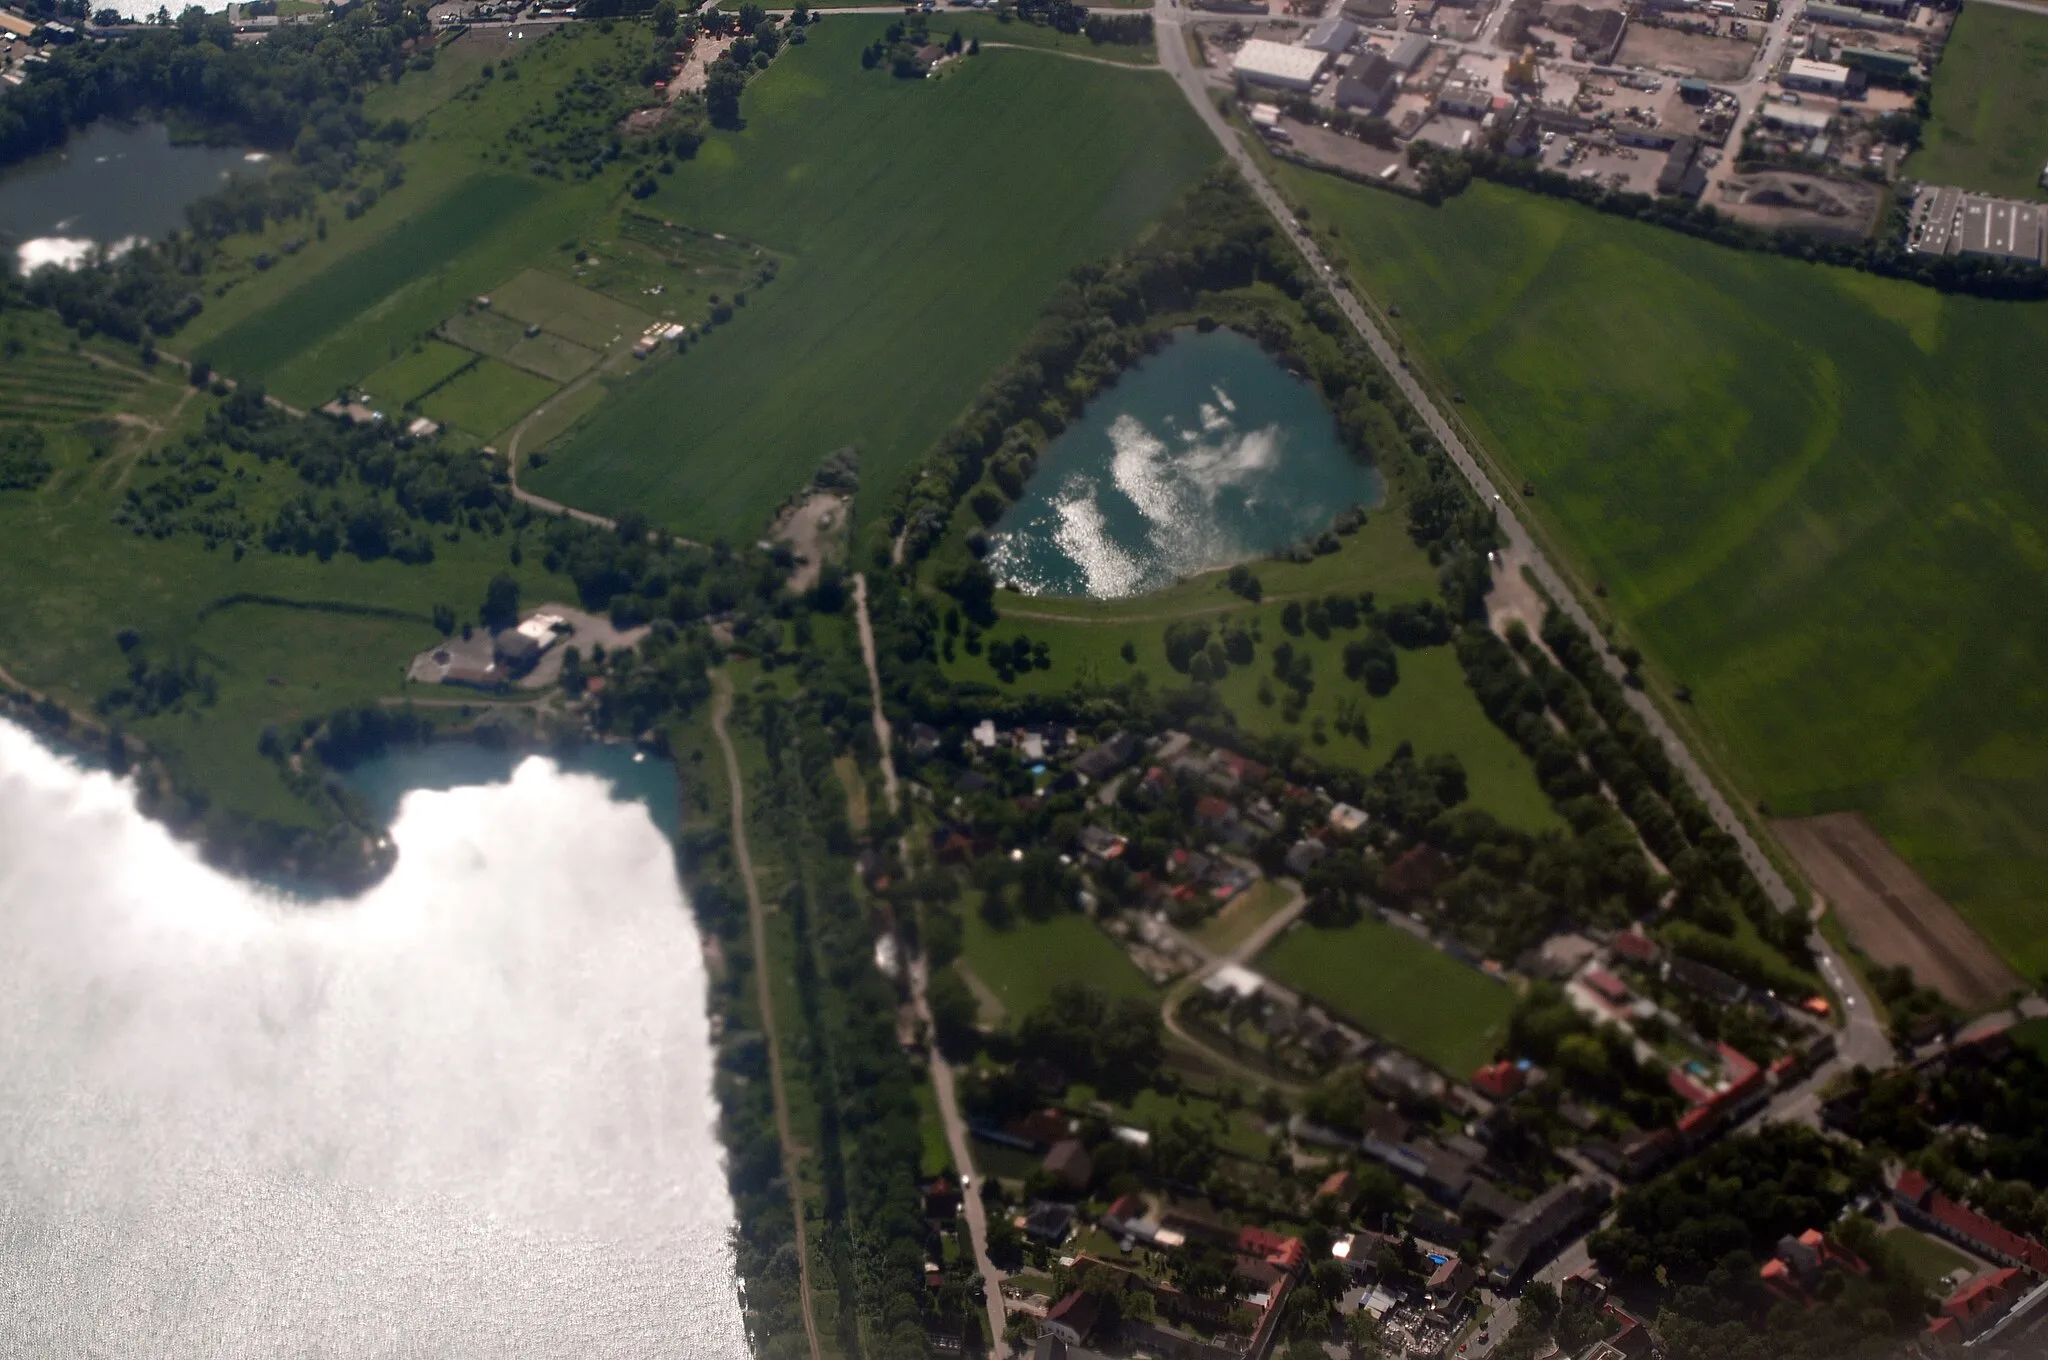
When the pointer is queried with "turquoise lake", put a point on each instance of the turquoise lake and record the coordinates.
(1207, 454)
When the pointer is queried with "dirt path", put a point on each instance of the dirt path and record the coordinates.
(941, 1070)
(721, 706)
(867, 653)
(1072, 56)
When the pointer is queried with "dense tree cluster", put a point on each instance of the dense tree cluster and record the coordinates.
(1690, 1241)
(295, 91)
(24, 461)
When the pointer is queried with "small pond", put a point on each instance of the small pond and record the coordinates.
(1207, 454)
(111, 182)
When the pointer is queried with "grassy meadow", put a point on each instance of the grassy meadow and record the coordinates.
(1814, 496)
(920, 226)
(1410, 994)
(1431, 707)
(1023, 963)
(1990, 124)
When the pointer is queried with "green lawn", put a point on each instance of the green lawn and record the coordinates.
(1929, 1258)
(1432, 706)
(920, 226)
(1814, 496)
(991, 30)
(1023, 964)
(1406, 992)
(1230, 927)
(1990, 124)
(2032, 1034)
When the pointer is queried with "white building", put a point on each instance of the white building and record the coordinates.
(1822, 77)
(1289, 68)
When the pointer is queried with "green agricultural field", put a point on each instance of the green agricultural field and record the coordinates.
(1023, 964)
(412, 375)
(572, 312)
(488, 398)
(994, 32)
(1814, 496)
(500, 337)
(1410, 994)
(1990, 124)
(920, 226)
(70, 579)
(1432, 707)
(466, 219)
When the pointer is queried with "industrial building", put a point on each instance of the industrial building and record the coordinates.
(1950, 221)
(1409, 53)
(1876, 61)
(1842, 16)
(1288, 68)
(1370, 85)
(1332, 36)
(1821, 77)
(2000, 229)
(1795, 118)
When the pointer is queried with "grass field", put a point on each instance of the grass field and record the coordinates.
(1023, 964)
(1990, 124)
(1399, 988)
(412, 375)
(1432, 706)
(991, 30)
(488, 398)
(920, 226)
(572, 312)
(70, 578)
(1230, 927)
(1929, 1258)
(1814, 496)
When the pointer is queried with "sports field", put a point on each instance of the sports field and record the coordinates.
(1410, 994)
(1990, 124)
(1816, 497)
(920, 227)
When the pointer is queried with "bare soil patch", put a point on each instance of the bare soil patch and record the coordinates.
(1890, 911)
(1701, 54)
(1777, 199)
(814, 528)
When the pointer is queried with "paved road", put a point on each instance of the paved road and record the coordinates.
(721, 706)
(963, 1161)
(1168, 17)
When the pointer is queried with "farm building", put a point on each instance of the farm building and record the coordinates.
(1288, 68)
(1332, 36)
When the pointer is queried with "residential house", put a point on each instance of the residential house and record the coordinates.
(1543, 1223)
(1105, 758)
(1073, 1318)
(1305, 855)
(1976, 1307)
(1050, 1221)
(1068, 1160)
(1926, 1208)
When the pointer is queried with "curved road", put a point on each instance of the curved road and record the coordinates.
(1862, 1040)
